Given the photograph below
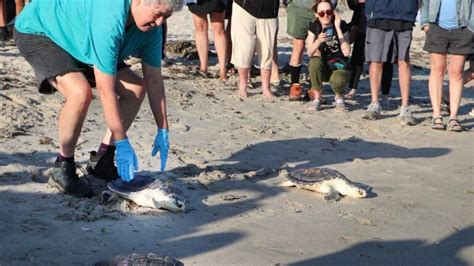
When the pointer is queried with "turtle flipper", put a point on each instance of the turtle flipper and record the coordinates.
(286, 184)
(332, 196)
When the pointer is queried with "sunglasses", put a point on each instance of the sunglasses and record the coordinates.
(328, 13)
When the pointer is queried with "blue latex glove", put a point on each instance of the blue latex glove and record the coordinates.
(126, 159)
(161, 144)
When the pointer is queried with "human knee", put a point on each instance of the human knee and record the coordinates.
(316, 64)
(201, 27)
(81, 96)
(218, 29)
(339, 80)
(454, 74)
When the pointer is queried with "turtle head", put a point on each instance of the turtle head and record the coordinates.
(357, 192)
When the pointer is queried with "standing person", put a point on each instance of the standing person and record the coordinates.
(73, 59)
(328, 47)
(358, 26)
(299, 16)
(216, 11)
(3, 20)
(254, 27)
(389, 35)
(447, 24)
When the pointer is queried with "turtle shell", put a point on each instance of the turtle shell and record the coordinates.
(313, 175)
(139, 183)
(140, 259)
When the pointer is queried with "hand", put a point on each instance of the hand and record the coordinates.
(322, 37)
(162, 144)
(426, 28)
(126, 159)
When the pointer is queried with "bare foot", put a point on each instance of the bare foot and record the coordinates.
(267, 94)
(243, 93)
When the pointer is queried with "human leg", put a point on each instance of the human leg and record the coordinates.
(3, 20)
(217, 25)
(243, 27)
(375, 77)
(19, 5)
(339, 80)
(387, 76)
(265, 44)
(131, 91)
(202, 39)
(455, 68)
(357, 64)
(318, 73)
(435, 83)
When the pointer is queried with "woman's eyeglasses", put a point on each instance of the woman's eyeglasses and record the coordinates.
(328, 13)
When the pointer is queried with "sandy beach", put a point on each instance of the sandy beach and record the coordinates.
(227, 157)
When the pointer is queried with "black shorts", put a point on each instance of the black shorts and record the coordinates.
(442, 41)
(49, 60)
(207, 7)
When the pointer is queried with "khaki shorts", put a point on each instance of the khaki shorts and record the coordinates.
(298, 20)
(252, 35)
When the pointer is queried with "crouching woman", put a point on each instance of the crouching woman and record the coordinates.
(329, 48)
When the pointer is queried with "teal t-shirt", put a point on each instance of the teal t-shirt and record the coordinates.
(92, 31)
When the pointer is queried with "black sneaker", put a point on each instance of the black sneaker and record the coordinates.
(64, 177)
(102, 166)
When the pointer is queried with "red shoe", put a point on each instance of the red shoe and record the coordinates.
(295, 92)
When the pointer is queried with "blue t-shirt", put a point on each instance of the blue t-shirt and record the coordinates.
(448, 18)
(93, 32)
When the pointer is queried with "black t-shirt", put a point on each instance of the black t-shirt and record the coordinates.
(260, 8)
(331, 48)
(390, 24)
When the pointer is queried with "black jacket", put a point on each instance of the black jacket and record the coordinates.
(260, 8)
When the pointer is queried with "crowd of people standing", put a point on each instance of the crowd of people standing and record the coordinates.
(380, 31)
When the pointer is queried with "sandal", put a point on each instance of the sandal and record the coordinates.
(454, 125)
(437, 123)
(203, 74)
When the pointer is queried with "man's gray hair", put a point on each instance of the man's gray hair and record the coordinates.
(175, 5)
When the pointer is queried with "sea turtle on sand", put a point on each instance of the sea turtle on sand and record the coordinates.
(327, 181)
(140, 260)
(148, 192)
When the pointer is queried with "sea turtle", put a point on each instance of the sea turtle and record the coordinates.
(327, 181)
(148, 192)
(140, 260)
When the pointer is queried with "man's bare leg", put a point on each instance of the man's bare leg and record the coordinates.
(404, 76)
(243, 81)
(78, 95)
(265, 75)
(375, 75)
(130, 89)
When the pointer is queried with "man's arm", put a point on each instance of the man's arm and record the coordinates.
(108, 98)
(156, 94)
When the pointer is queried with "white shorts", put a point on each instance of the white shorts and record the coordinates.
(250, 35)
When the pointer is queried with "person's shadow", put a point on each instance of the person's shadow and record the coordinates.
(401, 252)
(309, 152)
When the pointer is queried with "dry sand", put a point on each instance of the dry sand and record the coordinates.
(227, 156)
